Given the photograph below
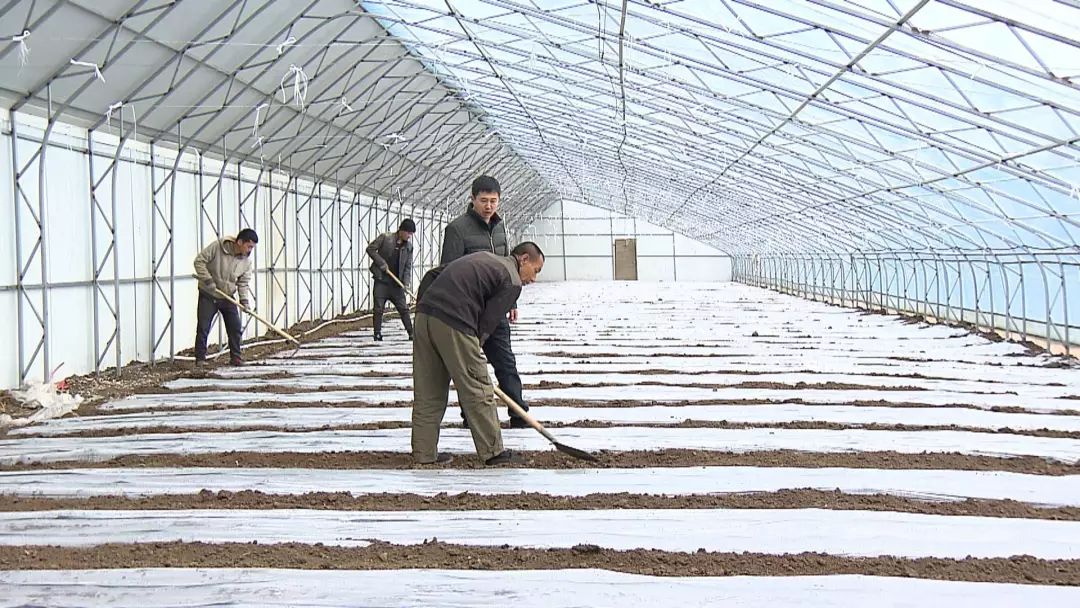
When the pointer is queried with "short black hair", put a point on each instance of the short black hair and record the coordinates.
(528, 248)
(408, 225)
(486, 183)
(247, 234)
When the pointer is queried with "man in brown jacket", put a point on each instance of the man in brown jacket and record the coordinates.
(461, 304)
(224, 265)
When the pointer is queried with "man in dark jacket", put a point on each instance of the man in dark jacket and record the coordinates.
(392, 251)
(460, 307)
(481, 229)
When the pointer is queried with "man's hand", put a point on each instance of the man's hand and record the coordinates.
(246, 304)
(384, 267)
(208, 286)
(513, 315)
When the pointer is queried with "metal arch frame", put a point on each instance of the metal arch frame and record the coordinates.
(226, 78)
(860, 143)
(948, 193)
(503, 4)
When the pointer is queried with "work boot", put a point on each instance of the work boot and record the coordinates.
(378, 337)
(519, 423)
(464, 422)
(199, 363)
(441, 458)
(505, 457)
(236, 360)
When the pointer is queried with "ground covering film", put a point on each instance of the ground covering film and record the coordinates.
(752, 446)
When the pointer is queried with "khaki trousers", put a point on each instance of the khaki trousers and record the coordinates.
(441, 354)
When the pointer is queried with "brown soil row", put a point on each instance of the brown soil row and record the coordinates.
(137, 376)
(557, 460)
(96, 411)
(720, 355)
(745, 372)
(581, 424)
(343, 501)
(285, 388)
(433, 554)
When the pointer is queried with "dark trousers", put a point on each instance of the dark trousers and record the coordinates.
(501, 357)
(396, 296)
(209, 306)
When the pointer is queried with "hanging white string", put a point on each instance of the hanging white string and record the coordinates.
(120, 106)
(290, 41)
(134, 122)
(87, 64)
(300, 83)
(112, 108)
(24, 49)
(1075, 192)
(345, 104)
(255, 127)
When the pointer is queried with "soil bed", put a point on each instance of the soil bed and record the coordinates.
(343, 501)
(433, 554)
(557, 460)
(580, 424)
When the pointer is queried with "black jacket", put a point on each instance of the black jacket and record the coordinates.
(469, 233)
(472, 294)
(382, 249)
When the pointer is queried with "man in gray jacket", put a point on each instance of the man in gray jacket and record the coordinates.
(461, 304)
(393, 251)
(481, 229)
(224, 265)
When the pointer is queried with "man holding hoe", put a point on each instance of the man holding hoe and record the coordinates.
(225, 266)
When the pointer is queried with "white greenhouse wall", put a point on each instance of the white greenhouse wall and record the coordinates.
(318, 248)
(579, 242)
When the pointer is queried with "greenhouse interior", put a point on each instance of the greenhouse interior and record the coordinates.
(695, 302)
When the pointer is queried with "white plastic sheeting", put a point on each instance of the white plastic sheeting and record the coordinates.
(228, 379)
(301, 381)
(54, 449)
(931, 485)
(550, 368)
(215, 398)
(259, 588)
(863, 348)
(645, 393)
(771, 531)
(319, 417)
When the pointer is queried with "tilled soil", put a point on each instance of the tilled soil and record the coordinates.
(434, 554)
(580, 424)
(752, 372)
(344, 501)
(557, 460)
(94, 410)
(138, 377)
(273, 384)
(756, 385)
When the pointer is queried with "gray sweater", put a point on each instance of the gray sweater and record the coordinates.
(218, 266)
(472, 294)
